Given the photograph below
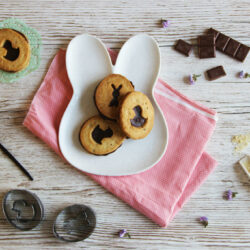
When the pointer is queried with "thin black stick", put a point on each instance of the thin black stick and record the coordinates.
(16, 162)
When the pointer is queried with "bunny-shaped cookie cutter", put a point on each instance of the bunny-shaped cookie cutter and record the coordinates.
(88, 62)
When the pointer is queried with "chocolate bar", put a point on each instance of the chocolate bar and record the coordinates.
(206, 45)
(215, 73)
(183, 47)
(229, 46)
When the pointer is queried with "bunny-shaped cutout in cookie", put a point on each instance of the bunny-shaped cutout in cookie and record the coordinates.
(88, 62)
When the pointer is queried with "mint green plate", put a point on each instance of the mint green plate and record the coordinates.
(35, 44)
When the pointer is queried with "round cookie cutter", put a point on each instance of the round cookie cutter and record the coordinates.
(22, 209)
(74, 223)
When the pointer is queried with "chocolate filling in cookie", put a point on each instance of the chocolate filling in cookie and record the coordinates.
(12, 53)
(116, 93)
(98, 134)
(138, 120)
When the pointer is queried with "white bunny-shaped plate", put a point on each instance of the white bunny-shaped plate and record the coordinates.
(88, 62)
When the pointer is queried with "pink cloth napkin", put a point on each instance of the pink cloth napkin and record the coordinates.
(158, 193)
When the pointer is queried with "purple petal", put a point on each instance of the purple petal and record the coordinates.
(229, 195)
(191, 80)
(122, 233)
(241, 74)
(165, 23)
(203, 218)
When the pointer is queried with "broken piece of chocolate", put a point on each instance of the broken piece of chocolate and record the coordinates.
(215, 73)
(242, 52)
(229, 46)
(183, 47)
(206, 45)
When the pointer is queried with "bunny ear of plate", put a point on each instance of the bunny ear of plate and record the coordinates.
(139, 61)
(87, 61)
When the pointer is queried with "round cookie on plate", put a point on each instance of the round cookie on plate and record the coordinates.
(136, 115)
(109, 93)
(101, 136)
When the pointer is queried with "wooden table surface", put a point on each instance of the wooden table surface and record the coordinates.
(59, 185)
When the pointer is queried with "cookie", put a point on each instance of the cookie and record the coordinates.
(136, 115)
(14, 50)
(100, 136)
(109, 93)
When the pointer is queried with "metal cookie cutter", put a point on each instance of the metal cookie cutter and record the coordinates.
(74, 223)
(22, 209)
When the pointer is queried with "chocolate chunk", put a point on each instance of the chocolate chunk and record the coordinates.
(232, 47)
(215, 73)
(214, 32)
(206, 45)
(98, 134)
(242, 52)
(221, 42)
(183, 47)
(138, 120)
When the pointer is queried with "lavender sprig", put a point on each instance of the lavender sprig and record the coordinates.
(204, 221)
(165, 23)
(229, 195)
(193, 78)
(242, 74)
(123, 233)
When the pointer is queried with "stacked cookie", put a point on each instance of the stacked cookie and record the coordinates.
(14, 50)
(123, 113)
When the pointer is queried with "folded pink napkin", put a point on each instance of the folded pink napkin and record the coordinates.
(158, 193)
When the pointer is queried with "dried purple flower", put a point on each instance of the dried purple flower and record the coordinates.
(204, 221)
(124, 233)
(165, 23)
(193, 78)
(229, 195)
(241, 74)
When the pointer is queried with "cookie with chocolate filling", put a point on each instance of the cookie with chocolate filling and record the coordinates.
(109, 93)
(101, 136)
(14, 50)
(136, 115)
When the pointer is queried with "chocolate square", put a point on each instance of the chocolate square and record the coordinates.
(183, 47)
(242, 52)
(207, 52)
(221, 42)
(206, 40)
(215, 73)
(206, 45)
(213, 32)
(232, 47)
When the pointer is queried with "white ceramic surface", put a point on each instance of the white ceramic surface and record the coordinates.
(88, 62)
